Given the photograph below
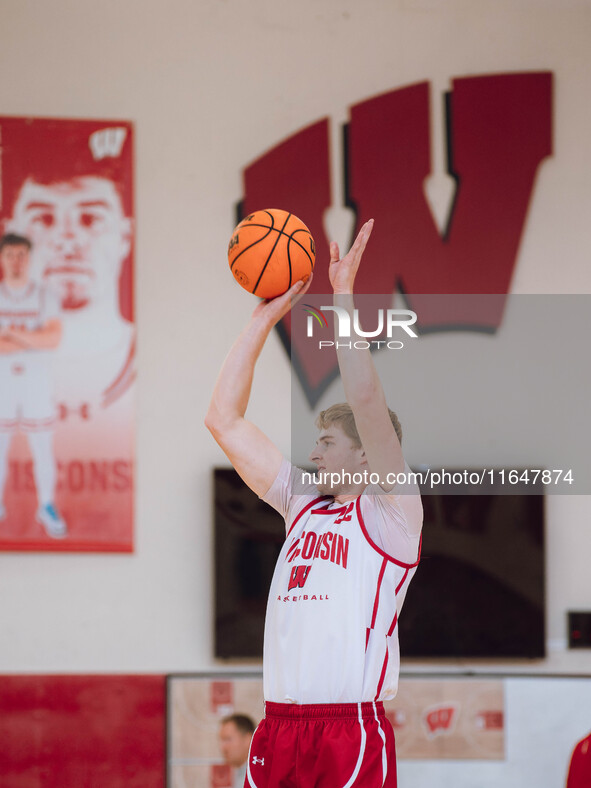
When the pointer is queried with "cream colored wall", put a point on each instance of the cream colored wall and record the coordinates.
(210, 85)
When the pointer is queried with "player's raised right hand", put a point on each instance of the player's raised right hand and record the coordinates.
(274, 309)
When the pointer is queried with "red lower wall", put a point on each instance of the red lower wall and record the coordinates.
(79, 731)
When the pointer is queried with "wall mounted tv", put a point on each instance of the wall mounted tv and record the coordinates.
(478, 591)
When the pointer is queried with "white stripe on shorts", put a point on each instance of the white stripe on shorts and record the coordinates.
(361, 750)
(383, 737)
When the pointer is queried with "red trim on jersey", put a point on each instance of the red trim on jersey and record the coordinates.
(120, 391)
(7, 425)
(376, 602)
(393, 624)
(395, 619)
(379, 549)
(123, 380)
(325, 510)
(305, 509)
(382, 675)
(401, 583)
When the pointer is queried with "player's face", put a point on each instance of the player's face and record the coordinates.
(336, 453)
(233, 744)
(80, 236)
(15, 264)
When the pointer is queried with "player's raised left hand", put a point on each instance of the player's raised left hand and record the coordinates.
(342, 272)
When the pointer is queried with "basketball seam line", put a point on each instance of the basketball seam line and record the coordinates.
(254, 243)
(279, 234)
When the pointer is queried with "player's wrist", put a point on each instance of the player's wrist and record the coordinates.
(344, 299)
(261, 325)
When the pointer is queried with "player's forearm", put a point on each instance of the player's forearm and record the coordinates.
(362, 385)
(8, 346)
(232, 390)
(46, 338)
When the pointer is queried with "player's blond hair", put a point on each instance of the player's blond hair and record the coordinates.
(342, 415)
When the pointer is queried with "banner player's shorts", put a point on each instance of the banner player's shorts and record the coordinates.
(26, 396)
(322, 746)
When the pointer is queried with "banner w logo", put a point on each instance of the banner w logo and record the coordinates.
(499, 130)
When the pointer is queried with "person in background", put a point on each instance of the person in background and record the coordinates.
(579, 773)
(235, 735)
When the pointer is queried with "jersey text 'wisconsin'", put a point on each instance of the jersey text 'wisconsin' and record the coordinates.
(328, 547)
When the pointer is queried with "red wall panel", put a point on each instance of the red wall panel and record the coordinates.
(76, 731)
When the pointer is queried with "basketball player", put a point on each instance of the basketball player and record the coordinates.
(331, 650)
(29, 329)
(235, 735)
(81, 238)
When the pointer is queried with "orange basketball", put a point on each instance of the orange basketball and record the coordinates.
(269, 251)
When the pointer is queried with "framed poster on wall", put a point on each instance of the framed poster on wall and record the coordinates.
(445, 718)
(67, 335)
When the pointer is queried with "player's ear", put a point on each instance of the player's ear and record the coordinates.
(126, 235)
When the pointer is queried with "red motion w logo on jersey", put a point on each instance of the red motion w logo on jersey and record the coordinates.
(499, 130)
(298, 577)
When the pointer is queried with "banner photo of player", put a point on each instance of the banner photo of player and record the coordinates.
(67, 335)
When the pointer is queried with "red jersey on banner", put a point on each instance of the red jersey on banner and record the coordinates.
(66, 481)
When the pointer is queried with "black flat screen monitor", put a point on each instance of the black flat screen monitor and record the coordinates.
(478, 591)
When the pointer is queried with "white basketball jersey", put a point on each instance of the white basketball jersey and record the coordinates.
(331, 632)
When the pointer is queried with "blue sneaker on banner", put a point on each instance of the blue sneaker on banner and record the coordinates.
(52, 521)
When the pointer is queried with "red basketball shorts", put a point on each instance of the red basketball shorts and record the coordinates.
(324, 746)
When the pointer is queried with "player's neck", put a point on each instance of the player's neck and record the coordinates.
(16, 285)
(347, 497)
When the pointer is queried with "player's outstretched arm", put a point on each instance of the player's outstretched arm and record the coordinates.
(363, 389)
(47, 337)
(8, 345)
(251, 452)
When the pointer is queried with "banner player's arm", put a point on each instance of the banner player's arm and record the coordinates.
(46, 337)
(8, 345)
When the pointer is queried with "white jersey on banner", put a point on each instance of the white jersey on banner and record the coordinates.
(26, 380)
(331, 632)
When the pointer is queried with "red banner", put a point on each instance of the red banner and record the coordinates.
(67, 335)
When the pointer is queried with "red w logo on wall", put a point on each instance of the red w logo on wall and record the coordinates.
(298, 577)
(498, 132)
(439, 720)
